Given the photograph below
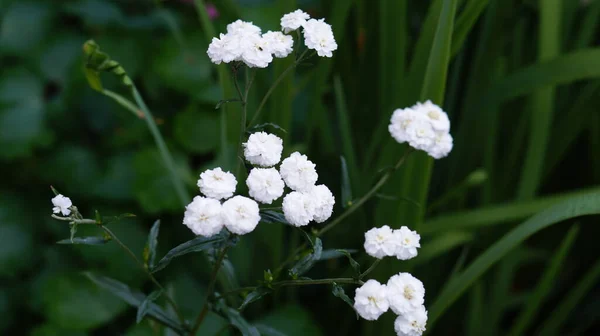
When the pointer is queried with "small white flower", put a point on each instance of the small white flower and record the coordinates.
(412, 323)
(203, 216)
(370, 300)
(401, 119)
(263, 149)
(405, 293)
(243, 28)
(438, 118)
(298, 172)
(240, 215)
(62, 205)
(255, 52)
(279, 44)
(408, 242)
(298, 208)
(217, 184)
(421, 135)
(442, 146)
(293, 20)
(319, 36)
(265, 184)
(324, 202)
(381, 242)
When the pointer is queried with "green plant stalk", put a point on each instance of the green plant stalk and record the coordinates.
(244, 98)
(126, 103)
(370, 269)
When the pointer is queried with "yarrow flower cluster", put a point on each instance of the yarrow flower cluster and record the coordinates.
(403, 293)
(207, 216)
(425, 126)
(245, 43)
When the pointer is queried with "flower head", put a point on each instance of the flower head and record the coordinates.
(298, 172)
(256, 52)
(240, 215)
(442, 145)
(263, 149)
(411, 323)
(278, 44)
(319, 36)
(62, 205)
(436, 116)
(203, 216)
(381, 242)
(405, 293)
(408, 243)
(370, 300)
(324, 202)
(243, 28)
(293, 20)
(401, 119)
(298, 208)
(265, 184)
(217, 184)
(421, 135)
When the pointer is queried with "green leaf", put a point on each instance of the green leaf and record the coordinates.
(307, 262)
(197, 244)
(465, 23)
(335, 253)
(346, 187)
(270, 216)
(150, 249)
(145, 305)
(355, 265)
(349, 174)
(197, 130)
(262, 127)
(85, 241)
(587, 204)
(255, 295)
(135, 299)
(339, 292)
(96, 13)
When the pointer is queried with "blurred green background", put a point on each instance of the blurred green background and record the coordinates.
(521, 89)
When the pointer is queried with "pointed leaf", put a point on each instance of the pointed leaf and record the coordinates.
(144, 306)
(195, 245)
(255, 295)
(85, 241)
(346, 187)
(334, 254)
(338, 291)
(150, 249)
(307, 262)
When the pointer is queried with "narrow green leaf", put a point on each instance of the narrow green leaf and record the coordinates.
(355, 265)
(270, 216)
(441, 245)
(339, 292)
(349, 164)
(346, 187)
(465, 22)
(150, 249)
(547, 280)
(335, 253)
(255, 295)
(307, 262)
(587, 204)
(84, 241)
(93, 78)
(145, 305)
(263, 126)
(475, 311)
(195, 245)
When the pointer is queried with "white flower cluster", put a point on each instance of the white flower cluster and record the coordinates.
(62, 205)
(244, 41)
(425, 126)
(206, 216)
(403, 293)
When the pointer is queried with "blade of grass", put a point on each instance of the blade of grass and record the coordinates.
(595, 145)
(441, 245)
(529, 312)
(588, 204)
(465, 22)
(346, 133)
(587, 31)
(500, 292)
(475, 311)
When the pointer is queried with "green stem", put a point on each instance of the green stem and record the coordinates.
(184, 197)
(370, 269)
(316, 282)
(244, 98)
(126, 103)
(211, 287)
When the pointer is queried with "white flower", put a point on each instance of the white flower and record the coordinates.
(319, 36)
(265, 184)
(298, 208)
(408, 242)
(324, 201)
(240, 215)
(436, 116)
(412, 323)
(279, 44)
(381, 242)
(203, 216)
(217, 184)
(370, 300)
(62, 205)
(243, 28)
(401, 119)
(298, 172)
(263, 149)
(421, 135)
(255, 51)
(405, 293)
(293, 20)
(442, 146)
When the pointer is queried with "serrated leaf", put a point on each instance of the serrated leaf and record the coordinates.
(339, 292)
(255, 295)
(346, 187)
(195, 245)
(270, 216)
(334, 253)
(355, 265)
(135, 299)
(144, 306)
(150, 250)
(307, 262)
(84, 241)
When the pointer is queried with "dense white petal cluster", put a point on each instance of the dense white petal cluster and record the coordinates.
(381, 242)
(265, 184)
(324, 202)
(61, 205)
(408, 242)
(298, 172)
(370, 300)
(263, 149)
(294, 20)
(240, 215)
(298, 208)
(405, 293)
(278, 44)
(217, 184)
(411, 323)
(318, 36)
(425, 126)
(203, 216)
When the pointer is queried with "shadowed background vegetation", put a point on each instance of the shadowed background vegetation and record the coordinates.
(519, 79)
